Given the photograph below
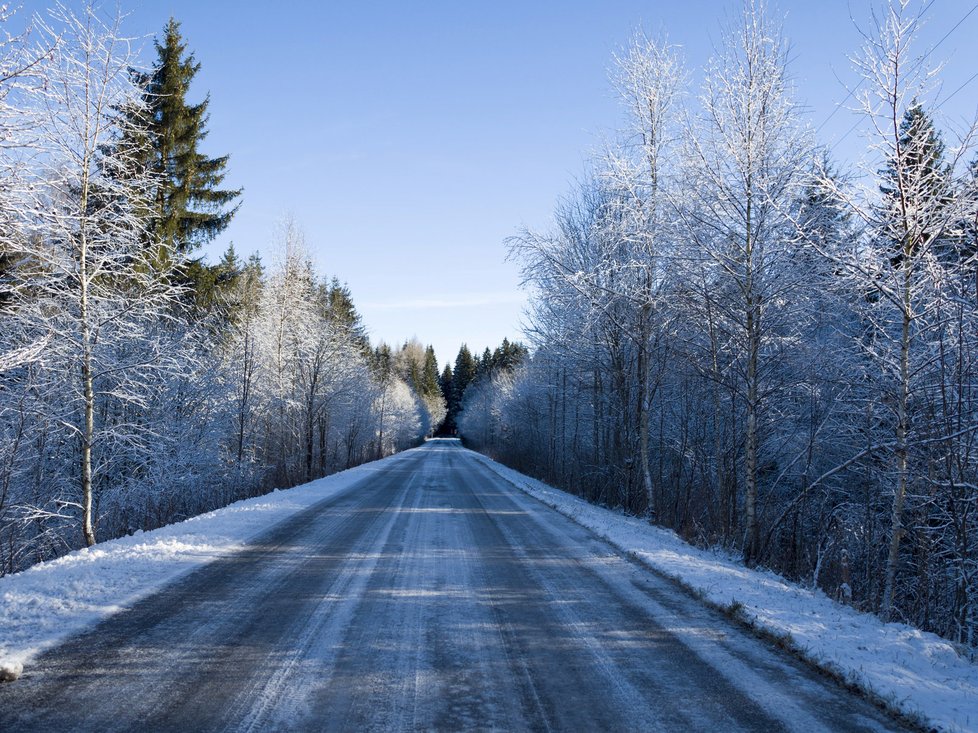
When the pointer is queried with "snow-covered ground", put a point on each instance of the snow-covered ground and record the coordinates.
(916, 672)
(53, 600)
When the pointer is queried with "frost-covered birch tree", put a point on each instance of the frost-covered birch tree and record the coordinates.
(649, 78)
(746, 156)
(604, 265)
(104, 308)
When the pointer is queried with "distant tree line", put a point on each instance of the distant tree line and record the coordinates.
(139, 384)
(474, 372)
(741, 342)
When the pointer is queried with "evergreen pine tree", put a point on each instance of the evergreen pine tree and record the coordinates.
(508, 356)
(383, 362)
(248, 285)
(189, 207)
(411, 363)
(213, 284)
(429, 374)
(917, 171)
(445, 383)
(822, 215)
(462, 375)
(484, 365)
(341, 311)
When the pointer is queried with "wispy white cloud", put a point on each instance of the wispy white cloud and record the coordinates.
(478, 300)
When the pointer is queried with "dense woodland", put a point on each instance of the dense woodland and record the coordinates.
(742, 339)
(138, 384)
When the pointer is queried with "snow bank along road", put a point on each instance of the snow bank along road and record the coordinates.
(431, 595)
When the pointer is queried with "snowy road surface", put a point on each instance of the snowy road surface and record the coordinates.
(431, 596)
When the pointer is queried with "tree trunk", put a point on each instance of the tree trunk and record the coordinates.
(88, 434)
(753, 328)
(245, 390)
(310, 442)
(88, 390)
(752, 535)
(900, 493)
(643, 410)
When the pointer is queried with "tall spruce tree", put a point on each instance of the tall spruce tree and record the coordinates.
(214, 284)
(507, 356)
(484, 364)
(189, 206)
(382, 362)
(445, 383)
(341, 311)
(429, 374)
(917, 175)
(463, 374)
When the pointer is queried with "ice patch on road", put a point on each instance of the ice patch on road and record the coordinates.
(49, 602)
(916, 672)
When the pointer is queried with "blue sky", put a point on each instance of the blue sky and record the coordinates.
(409, 139)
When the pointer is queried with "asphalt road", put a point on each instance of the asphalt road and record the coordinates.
(431, 596)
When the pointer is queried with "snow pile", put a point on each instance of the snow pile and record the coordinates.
(913, 671)
(49, 602)
(10, 671)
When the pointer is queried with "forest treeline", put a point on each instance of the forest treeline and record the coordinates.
(742, 340)
(140, 385)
